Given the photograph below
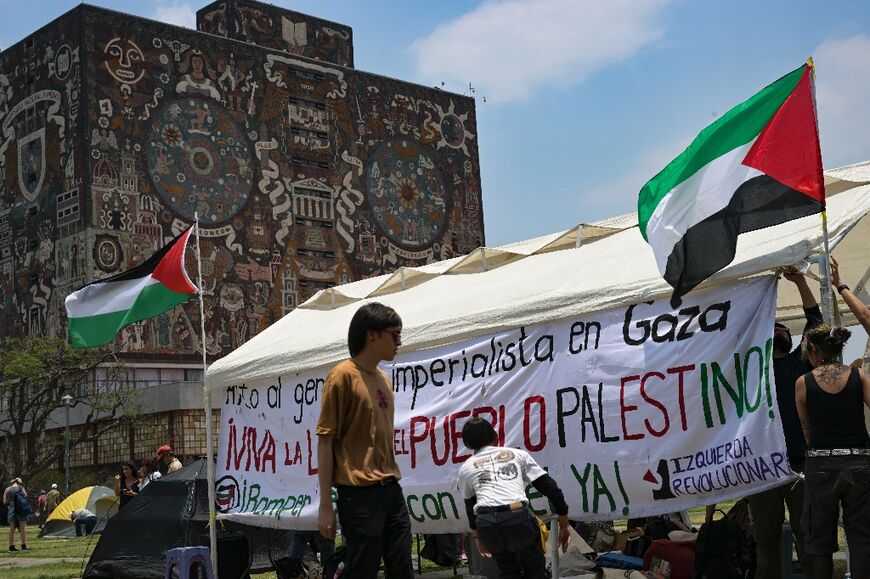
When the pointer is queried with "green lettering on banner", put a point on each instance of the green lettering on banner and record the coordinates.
(411, 510)
(768, 351)
(427, 499)
(600, 487)
(625, 509)
(434, 507)
(582, 480)
(705, 396)
(752, 407)
(736, 396)
(601, 490)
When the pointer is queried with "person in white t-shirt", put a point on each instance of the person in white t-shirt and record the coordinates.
(493, 483)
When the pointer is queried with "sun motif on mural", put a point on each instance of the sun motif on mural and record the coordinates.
(200, 160)
(452, 127)
(406, 193)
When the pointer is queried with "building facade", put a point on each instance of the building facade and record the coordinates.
(116, 131)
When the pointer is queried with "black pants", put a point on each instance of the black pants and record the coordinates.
(514, 540)
(375, 525)
(89, 523)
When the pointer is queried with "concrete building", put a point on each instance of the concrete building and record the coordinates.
(305, 173)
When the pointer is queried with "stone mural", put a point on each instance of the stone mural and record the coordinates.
(304, 173)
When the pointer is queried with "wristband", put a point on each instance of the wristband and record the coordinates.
(842, 287)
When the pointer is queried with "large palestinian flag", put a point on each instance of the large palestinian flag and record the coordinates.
(99, 310)
(756, 166)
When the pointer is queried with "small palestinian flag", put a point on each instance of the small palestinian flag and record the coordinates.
(98, 311)
(758, 165)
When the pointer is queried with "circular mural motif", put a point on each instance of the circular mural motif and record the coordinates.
(406, 193)
(199, 160)
(107, 253)
(453, 130)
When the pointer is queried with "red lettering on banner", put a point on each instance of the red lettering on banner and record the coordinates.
(312, 470)
(399, 442)
(248, 450)
(423, 427)
(497, 420)
(625, 408)
(439, 461)
(656, 403)
(542, 426)
(417, 438)
(456, 436)
(680, 370)
(297, 457)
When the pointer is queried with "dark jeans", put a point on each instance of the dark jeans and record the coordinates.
(768, 513)
(833, 483)
(375, 525)
(89, 523)
(514, 540)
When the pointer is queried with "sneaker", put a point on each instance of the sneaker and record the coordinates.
(23, 547)
(12, 548)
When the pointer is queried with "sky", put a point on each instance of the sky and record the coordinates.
(580, 102)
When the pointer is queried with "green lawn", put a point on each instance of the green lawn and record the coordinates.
(72, 554)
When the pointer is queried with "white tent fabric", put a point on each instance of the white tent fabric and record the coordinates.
(585, 269)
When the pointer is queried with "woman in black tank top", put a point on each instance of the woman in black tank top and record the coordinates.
(830, 401)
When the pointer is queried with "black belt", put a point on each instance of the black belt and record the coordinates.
(501, 508)
(390, 480)
(816, 452)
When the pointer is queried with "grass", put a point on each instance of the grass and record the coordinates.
(72, 554)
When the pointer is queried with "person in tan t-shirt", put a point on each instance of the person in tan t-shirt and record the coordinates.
(355, 452)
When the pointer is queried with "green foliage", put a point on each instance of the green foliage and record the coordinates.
(35, 375)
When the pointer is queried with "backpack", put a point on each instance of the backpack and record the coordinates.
(22, 505)
(659, 527)
(722, 550)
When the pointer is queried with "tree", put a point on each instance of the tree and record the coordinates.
(35, 375)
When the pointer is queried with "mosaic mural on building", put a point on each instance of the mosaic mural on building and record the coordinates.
(279, 29)
(40, 128)
(304, 174)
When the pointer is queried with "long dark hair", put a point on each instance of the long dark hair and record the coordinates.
(825, 341)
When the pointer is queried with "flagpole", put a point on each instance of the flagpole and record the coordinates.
(825, 268)
(209, 427)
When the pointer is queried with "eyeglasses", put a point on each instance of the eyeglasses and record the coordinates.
(396, 334)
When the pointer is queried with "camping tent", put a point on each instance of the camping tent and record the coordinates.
(585, 269)
(170, 512)
(99, 500)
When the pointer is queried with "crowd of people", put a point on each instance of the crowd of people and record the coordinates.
(132, 479)
(129, 482)
(821, 403)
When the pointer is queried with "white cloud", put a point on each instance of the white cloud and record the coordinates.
(510, 49)
(842, 94)
(178, 14)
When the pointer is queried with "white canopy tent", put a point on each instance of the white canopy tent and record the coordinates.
(585, 269)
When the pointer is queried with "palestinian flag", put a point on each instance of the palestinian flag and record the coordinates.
(758, 165)
(98, 311)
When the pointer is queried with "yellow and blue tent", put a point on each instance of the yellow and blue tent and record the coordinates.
(99, 500)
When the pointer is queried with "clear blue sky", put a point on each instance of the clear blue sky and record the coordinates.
(585, 99)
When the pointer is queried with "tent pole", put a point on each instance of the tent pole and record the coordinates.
(209, 427)
(825, 268)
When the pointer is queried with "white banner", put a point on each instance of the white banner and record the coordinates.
(634, 411)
